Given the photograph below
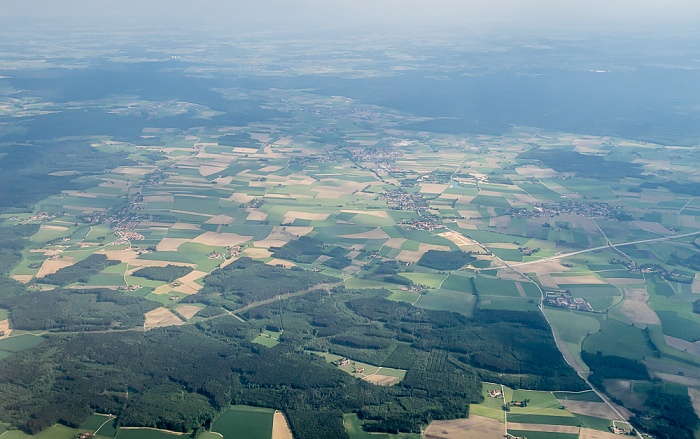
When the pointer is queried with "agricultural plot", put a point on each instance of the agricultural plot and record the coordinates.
(382, 376)
(241, 421)
(206, 197)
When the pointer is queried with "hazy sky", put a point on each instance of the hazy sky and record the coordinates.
(308, 14)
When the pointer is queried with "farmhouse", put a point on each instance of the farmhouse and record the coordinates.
(495, 393)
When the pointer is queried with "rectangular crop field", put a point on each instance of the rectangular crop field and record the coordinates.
(242, 421)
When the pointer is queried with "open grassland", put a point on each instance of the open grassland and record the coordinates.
(147, 433)
(245, 422)
(474, 427)
(353, 427)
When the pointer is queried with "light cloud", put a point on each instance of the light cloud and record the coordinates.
(330, 14)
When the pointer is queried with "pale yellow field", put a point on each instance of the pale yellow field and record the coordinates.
(636, 309)
(372, 234)
(192, 276)
(474, 427)
(376, 213)
(126, 255)
(281, 235)
(161, 317)
(587, 433)
(309, 216)
(280, 427)
(381, 380)
(23, 278)
(282, 262)
(206, 171)
(188, 311)
(241, 198)
(409, 256)
(256, 215)
(220, 219)
(459, 239)
(543, 427)
(51, 227)
(579, 280)
(51, 266)
(220, 239)
(414, 256)
(395, 242)
(5, 328)
(170, 244)
(258, 253)
(186, 226)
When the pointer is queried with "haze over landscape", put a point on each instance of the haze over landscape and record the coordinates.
(360, 220)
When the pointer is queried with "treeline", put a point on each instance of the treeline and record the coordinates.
(506, 342)
(164, 274)
(76, 310)
(177, 378)
(80, 271)
(306, 250)
(670, 416)
(13, 239)
(445, 260)
(584, 165)
(245, 281)
(605, 367)
(27, 169)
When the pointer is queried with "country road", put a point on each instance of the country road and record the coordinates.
(602, 247)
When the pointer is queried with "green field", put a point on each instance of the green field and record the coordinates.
(244, 422)
(353, 426)
(145, 433)
(542, 434)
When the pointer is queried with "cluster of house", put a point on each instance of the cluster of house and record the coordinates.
(423, 224)
(377, 155)
(495, 393)
(401, 200)
(342, 362)
(125, 237)
(566, 300)
(617, 430)
(42, 216)
(85, 435)
(589, 210)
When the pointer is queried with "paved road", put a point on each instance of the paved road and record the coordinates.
(602, 247)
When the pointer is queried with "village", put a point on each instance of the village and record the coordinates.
(596, 210)
(376, 155)
(566, 300)
(399, 199)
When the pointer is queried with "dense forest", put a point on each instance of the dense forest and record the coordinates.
(445, 260)
(306, 250)
(245, 281)
(76, 310)
(80, 271)
(205, 367)
(164, 274)
(27, 170)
